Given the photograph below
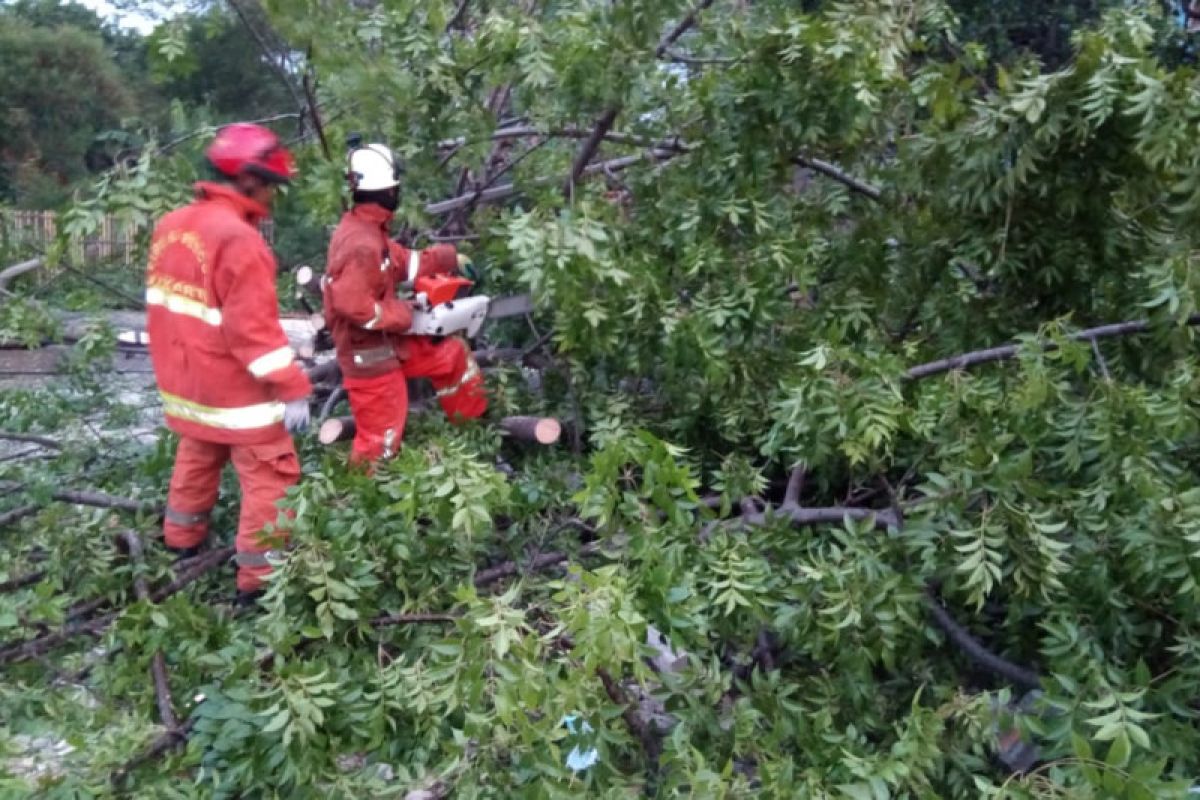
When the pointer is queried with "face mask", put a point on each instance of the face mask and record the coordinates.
(390, 201)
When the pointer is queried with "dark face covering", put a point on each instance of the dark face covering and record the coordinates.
(389, 198)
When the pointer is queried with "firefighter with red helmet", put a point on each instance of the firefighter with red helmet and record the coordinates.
(230, 386)
(369, 322)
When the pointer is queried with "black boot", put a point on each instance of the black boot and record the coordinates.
(247, 599)
(184, 553)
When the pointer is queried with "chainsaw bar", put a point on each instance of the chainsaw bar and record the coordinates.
(511, 306)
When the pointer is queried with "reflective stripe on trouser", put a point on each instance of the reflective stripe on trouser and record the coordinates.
(195, 480)
(453, 372)
(265, 471)
(380, 407)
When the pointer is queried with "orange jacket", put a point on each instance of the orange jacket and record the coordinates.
(362, 272)
(221, 359)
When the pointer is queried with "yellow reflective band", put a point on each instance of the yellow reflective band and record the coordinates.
(178, 304)
(271, 362)
(471, 372)
(376, 319)
(233, 419)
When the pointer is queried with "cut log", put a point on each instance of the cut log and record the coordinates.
(338, 429)
(541, 430)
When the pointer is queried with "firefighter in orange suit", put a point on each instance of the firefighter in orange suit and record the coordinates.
(229, 382)
(368, 321)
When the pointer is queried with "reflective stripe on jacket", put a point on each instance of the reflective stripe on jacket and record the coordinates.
(363, 270)
(221, 358)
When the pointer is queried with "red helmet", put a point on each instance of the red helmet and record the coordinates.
(243, 147)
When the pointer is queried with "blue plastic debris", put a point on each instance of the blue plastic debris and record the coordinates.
(578, 760)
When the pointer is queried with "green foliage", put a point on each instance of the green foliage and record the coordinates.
(731, 316)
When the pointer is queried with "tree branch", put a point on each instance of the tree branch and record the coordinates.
(159, 747)
(31, 438)
(17, 514)
(21, 581)
(971, 646)
(791, 497)
(588, 149)
(977, 357)
(269, 53)
(682, 27)
(506, 190)
(637, 726)
(839, 175)
(158, 663)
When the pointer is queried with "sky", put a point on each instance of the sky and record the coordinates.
(140, 22)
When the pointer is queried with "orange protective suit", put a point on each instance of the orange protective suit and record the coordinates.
(223, 367)
(364, 269)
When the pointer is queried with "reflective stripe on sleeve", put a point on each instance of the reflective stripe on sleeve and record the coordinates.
(375, 320)
(178, 304)
(234, 419)
(414, 264)
(272, 362)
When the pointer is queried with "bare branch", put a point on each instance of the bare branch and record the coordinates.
(791, 496)
(158, 663)
(457, 18)
(682, 27)
(589, 148)
(507, 190)
(273, 58)
(839, 175)
(17, 514)
(637, 726)
(31, 438)
(21, 582)
(158, 748)
(977, 357)
(699, 61)
(968, 644)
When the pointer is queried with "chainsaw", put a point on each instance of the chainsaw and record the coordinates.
(442, 306)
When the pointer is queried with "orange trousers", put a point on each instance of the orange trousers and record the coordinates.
(380, 404)
(265, 471)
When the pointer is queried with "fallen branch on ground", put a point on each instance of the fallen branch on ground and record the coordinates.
(159, 747)
(21, 582)
(23, 651)
(31, 438)
(486, 577)
(158, 663)
(969, 645)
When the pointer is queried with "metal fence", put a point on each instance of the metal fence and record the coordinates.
(113, 242)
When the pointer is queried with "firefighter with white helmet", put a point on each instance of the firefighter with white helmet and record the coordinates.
(372, 326)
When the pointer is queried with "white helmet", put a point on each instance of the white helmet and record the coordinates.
(373, 168)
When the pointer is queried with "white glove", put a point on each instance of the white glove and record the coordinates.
(296, 415)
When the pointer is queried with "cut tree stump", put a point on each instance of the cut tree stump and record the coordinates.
(540, 430)
(338, 429)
